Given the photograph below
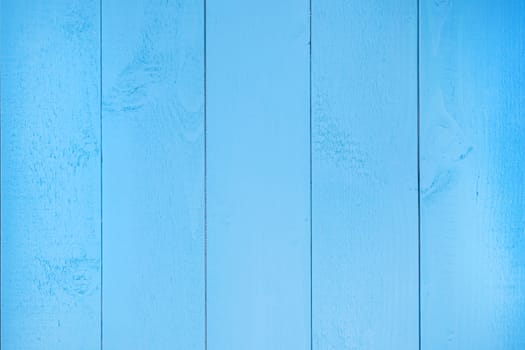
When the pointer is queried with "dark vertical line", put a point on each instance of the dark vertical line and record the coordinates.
(101, 192)
(1, 178)
(310, 137)
(205, 202)
(418, 183)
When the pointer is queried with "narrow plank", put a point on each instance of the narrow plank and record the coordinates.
(473, 170)
(365, 233)
(49, 56)
(153, 174)
(258, 175)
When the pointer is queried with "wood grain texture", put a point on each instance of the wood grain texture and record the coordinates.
(473, 170)
(365, 233)
(50, 174)
(153, 174)
(258, 175)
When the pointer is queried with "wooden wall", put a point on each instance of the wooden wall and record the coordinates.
(280, 174)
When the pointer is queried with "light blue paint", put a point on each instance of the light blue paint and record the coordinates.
(365, 229)
(153, 174)
(364, 175)
(50, 175)
(473, 170)
(258, 175)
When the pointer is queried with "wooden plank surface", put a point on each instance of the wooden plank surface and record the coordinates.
(365, 233)
(258, 175)
(473, 171)
(153, 174)
(50, 120)
(364, 275)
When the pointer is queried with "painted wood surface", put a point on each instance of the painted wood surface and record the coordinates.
(123, 153)
(473, 171)
(257, 103)
(50, 174)
(153, 174)
(365, 228)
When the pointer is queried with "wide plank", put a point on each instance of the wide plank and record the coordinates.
(258, 174)
(50, 121)
(364, 199)
(153, 174)
(473, 174)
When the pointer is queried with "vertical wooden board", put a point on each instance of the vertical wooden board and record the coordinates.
(258, 175)
(153, 174)
(472, 174)
(49, 56)
(365, 208)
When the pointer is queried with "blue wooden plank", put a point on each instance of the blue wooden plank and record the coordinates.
(153, 174)
(49, 54)
(258, 175)
(365, 214)
(473, 170)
